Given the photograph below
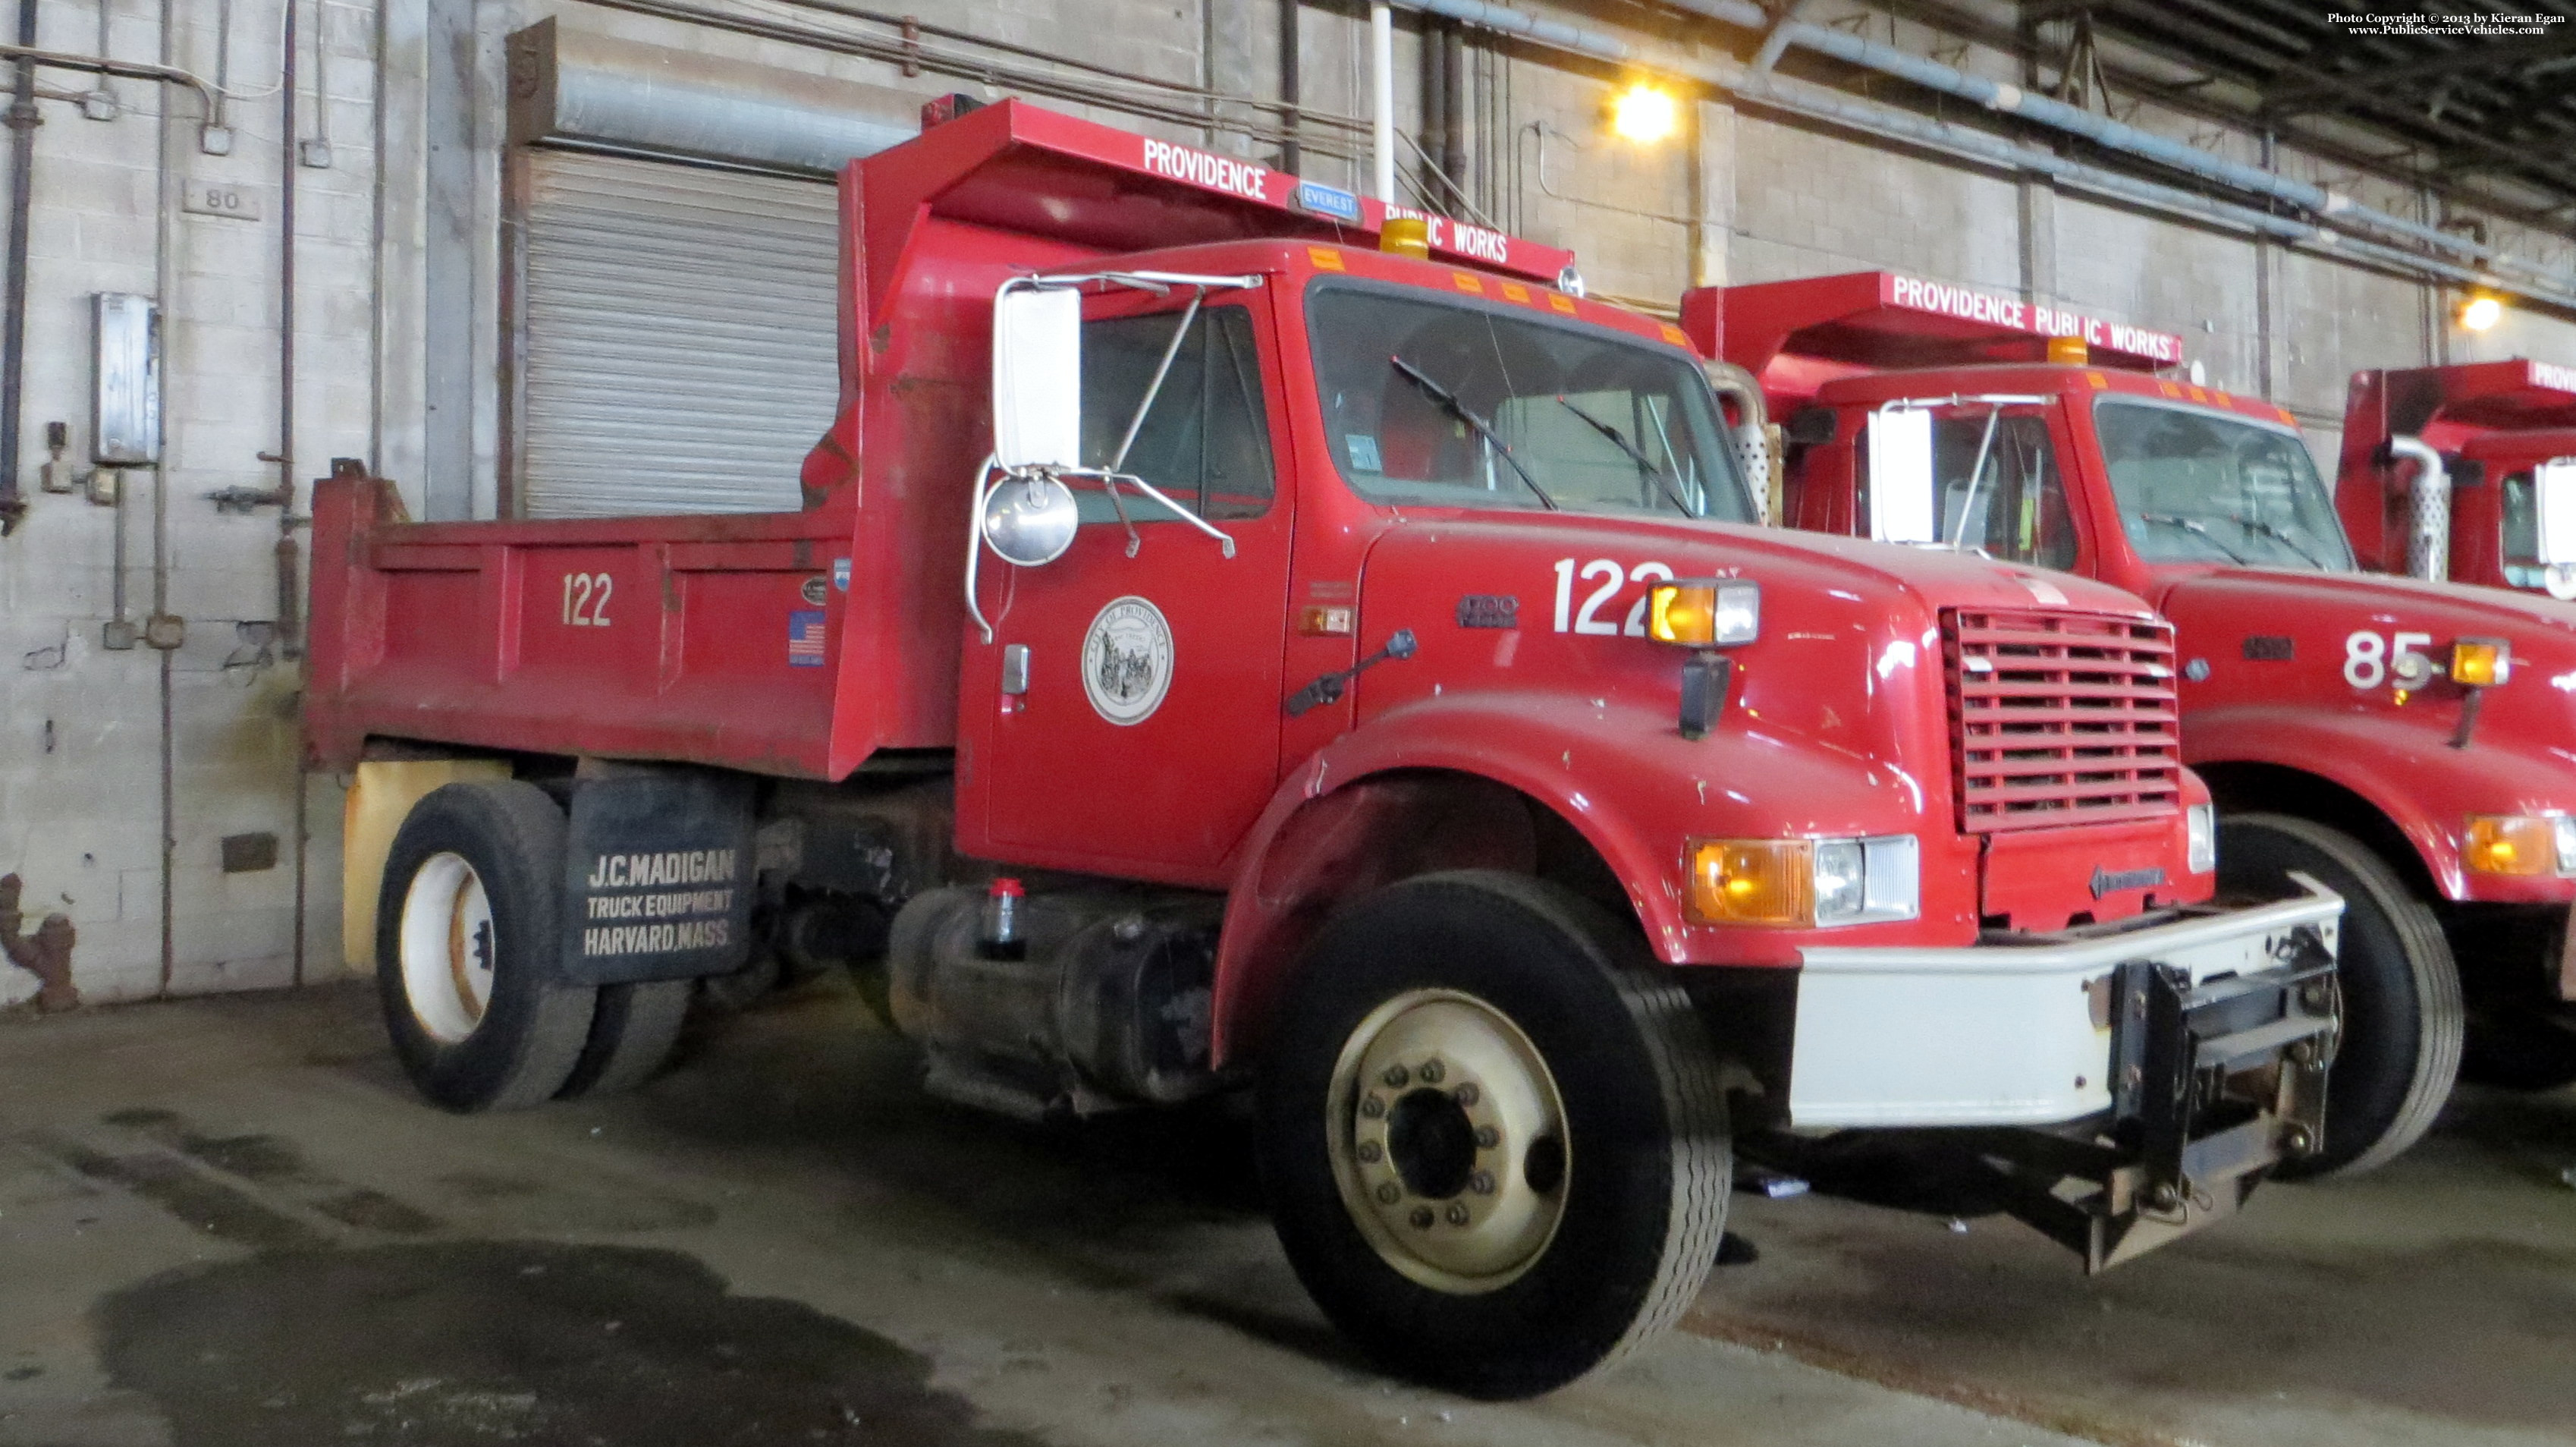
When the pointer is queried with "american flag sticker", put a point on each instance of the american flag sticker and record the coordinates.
(805, 638)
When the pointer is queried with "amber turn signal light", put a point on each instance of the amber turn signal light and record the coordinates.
(2511, 844)
(2480, 662)
(1704, 612)
(1753, 881)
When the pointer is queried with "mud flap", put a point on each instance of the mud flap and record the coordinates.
(658, 877)
(2213, 1085)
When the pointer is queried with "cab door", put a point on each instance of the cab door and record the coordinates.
(1133, 714)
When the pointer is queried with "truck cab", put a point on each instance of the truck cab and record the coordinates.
(2481, 451)
(2395, 737)
(1239, 636)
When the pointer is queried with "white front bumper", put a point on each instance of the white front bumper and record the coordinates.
(2001, 1034)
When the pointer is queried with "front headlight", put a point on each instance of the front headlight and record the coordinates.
(1805, 881)
(2200, 853)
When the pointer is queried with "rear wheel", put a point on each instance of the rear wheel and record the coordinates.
(1494, 1142)
(2402, 1017)
(466, 943)
(631, 1033)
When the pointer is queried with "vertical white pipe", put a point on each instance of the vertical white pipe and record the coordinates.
(1382, 96)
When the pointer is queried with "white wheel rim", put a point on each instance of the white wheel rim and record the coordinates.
(1449, 1141)
(448, 947)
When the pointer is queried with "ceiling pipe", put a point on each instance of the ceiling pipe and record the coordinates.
(2101, 130)
(1824, 103)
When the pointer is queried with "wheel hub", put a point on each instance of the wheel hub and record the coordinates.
(1449, 1141)
(447, 947)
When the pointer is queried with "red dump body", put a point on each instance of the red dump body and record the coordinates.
(2289, 669)
(2493, 422)
(676, 637)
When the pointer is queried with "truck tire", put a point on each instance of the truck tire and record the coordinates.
(1494, 1141)
(2402, 1015)
(632, 1031)
(467, 933)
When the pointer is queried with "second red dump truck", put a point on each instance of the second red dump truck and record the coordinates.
(2402, 740)
(1215, 652)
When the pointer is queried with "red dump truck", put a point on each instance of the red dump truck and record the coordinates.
(1215, 649)
(2400, 740)
(2455, 472)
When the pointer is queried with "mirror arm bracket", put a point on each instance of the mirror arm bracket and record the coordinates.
(975, 545)
(1110, 482)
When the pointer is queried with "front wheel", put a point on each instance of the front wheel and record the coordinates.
(2402, 1016)
(1494, 1142)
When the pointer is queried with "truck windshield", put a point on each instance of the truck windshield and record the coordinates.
(1456, 404)
(2195, 486)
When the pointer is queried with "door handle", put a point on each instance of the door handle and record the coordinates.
(1330, 687)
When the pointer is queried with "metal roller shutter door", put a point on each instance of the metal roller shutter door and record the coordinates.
(679, 351)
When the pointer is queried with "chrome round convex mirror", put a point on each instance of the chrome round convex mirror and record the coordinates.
(1029, 520)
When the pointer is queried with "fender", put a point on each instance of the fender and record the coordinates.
(2396, 765)
(1617, 773)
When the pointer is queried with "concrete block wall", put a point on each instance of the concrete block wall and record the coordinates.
(82, 739)
(1743, 195)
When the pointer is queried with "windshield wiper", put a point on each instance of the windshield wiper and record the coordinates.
(1664, 480)
(1450, 404)
(2277, 534)
(2195, 527)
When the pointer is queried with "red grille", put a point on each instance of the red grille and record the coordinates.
(2061, 718)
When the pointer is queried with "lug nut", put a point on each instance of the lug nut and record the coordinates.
(1457, 1213)
(2297, 1141)
(1422, 1218)
(2313, 996)
(1487, 1137)
(1482, 1183)
(1371, 1152)
(1372, 1107)
(2303, 1052)
(1431, 1072)
(1468, 1094)
(1395, 1077)
(1390, 1193)
(2165, 1197)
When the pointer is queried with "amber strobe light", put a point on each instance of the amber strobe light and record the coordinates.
(1405, 236)
(1753, 881)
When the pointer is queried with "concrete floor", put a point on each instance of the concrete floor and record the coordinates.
(226, 1222)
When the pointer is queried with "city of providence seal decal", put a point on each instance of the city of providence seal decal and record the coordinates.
(1127, 660)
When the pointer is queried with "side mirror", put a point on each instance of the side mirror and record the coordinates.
(1037, 378)
(1901, 503)
(2554, 502)
(1029, 520)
